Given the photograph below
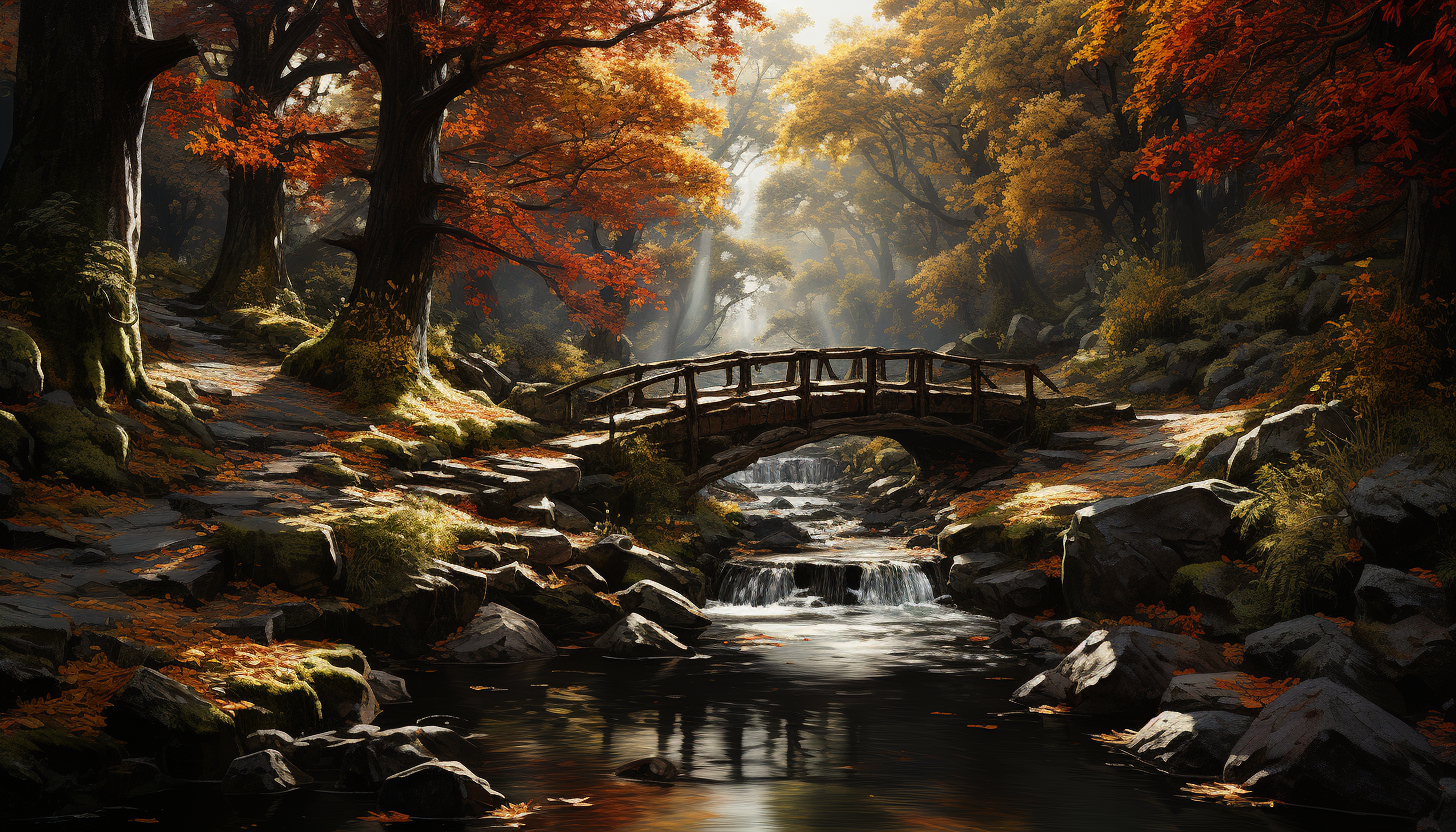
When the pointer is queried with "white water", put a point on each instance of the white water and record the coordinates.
(808, 470)
(758, 582)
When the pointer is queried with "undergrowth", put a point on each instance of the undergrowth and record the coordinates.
(385, 546)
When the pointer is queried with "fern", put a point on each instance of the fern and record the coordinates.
(1302, 542)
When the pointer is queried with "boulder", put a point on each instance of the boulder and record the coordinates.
(297, 555)
(1286, 433)
(77, 444)
(967, 568)
(544, 547)
(1207, 692)
(1189, 744)
(650, 769)
(498, 634)
(439, 790)
(1323, 303)
(279, 700)
(512, 580)
(1395, 507)
(1124, 551)
(1021, 336)
(157, 716)
(623, 563)
(1274, 650)
(262, 772)
(25, 677)
(371, 759)
(587, 577)
(635, 637)
(1123, 670)
(1420, 655)
(432, 606)
(17, 449)
(1339, 658)
(672, 610)
(1322, 744)
(569, 610)
(388, 688)
(1063, 632)
(345, 696)
(34, 634)
(1019, 590)
(20, 372)
(268, 738)
(1389, 595)
(1214, 589)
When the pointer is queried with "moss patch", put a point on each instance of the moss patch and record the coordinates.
(386, 546)
(344, 694)
(281, 700)
(87, 448)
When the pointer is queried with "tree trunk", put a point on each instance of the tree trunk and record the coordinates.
(375, 349)
(1430, 245)
(602, 343)
(250, 270)
(83, 80)
(1182, 230)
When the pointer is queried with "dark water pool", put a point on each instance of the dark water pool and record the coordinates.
(843, 718)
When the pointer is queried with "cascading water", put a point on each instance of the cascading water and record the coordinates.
(808, 470)
(761, 582)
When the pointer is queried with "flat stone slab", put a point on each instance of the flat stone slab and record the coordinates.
(147, 540)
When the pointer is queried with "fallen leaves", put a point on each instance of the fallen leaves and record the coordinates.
(385, 817)
(1051, 710)
(1229, 793)
(1256, 691)
(511, 811)
(984, 727)
(1117, 739)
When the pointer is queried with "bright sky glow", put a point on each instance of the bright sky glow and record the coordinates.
(822, 12)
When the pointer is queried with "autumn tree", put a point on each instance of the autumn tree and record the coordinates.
(427, 54)
(701, 282)
(70, 188)
(1343, 112)
(256, 110)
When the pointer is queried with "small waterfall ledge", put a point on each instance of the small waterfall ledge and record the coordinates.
(766, 582)
(774, 470)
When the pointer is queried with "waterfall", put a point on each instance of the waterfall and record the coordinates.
(756, 586)
(757, 582)
(809, 470)
(895, 582)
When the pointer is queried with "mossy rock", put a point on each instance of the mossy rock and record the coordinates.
(401, 453)
(281, 700)
(86, 448)
(20, 371)
(295, 554)
(158, 716)
(343, 656)
(333, 471)
(984, 532)
(569, 610)
(17, 448)
(40, 768)
(373, 371)
(344, 693)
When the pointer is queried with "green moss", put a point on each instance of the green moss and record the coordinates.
(333, 471)
(344, 694)
(386, 546)
(1190, 455)
(272, 325)
(343, 656)
(189, 455)
(281, 700)
(82, 446)
(372, 371)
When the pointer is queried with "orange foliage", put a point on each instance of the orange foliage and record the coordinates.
(1256, 691)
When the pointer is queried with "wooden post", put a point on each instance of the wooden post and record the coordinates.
(806, 389)
(871, 379)
(976, 393)
(1030, 398)
(570, 408)
(745, 377)
(856, 368)
(922, 386)
(791, 375)
(690, 383)
(611, 419)
(728, 376)
(636, 395)
(819, 369)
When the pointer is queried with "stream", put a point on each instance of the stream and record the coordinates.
(831, 694)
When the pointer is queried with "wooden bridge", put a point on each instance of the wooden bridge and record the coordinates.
(933, 403)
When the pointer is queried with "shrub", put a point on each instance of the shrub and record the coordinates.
(1143, 302)
(539, 349)
(1302, 543)
(385, 546)
(650, 481)
(322, 289)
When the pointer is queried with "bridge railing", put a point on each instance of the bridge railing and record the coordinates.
(804, 374)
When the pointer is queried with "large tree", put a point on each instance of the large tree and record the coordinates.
(427, 55)
(70, 187)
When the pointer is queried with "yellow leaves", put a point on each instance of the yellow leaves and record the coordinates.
(511, 811)
(1229, 793)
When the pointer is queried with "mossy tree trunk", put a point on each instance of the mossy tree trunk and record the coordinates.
(375, 350)
(70, 187)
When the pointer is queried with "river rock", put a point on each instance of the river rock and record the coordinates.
(1396, 506)
(1340, 659)
(432, 606)
(338, 678)
(1287, 433)
(25, 677)
(624, 563)
(1125, 551)
(371, 759)
(1274, 650)
(262, 772)
(1420, 655)
(388, 688)
(267, 738)
(1026, 591)
(1389, 595)
(498, 634)
(568, 610)
(651, 769)
(967, 568)
(545, 547)
(635, 637)
(190, 736)
(1207, 692)
(1214, 589)
(671, 609)
(1063, 632)
(1322, 744)
(1191, 744)
(439, 790)
(587, 577)
(1123, 670)
(514, 579)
